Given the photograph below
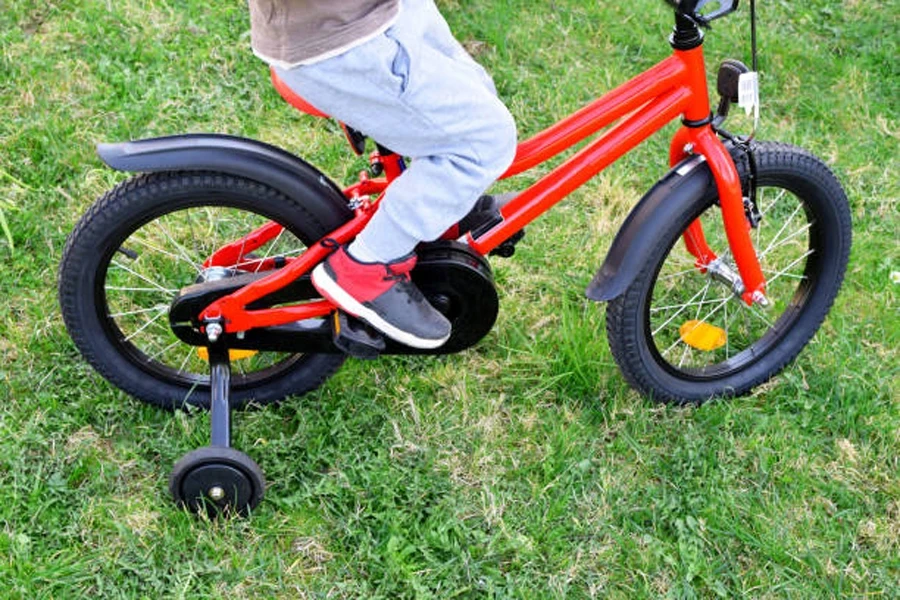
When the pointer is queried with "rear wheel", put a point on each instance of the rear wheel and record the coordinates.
(681, 335)
(145, 240)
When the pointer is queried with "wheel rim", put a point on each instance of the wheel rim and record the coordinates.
(698, 328)
(143, 273)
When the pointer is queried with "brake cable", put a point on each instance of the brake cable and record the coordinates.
(752, 209)
(753, 33)
(745, 143)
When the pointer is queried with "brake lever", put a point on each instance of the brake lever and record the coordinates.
(725, 7)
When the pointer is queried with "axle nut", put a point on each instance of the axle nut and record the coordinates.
(213, 331)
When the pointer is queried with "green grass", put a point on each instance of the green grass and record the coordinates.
(522, 468)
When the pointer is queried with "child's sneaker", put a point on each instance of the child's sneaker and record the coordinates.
(383, 296)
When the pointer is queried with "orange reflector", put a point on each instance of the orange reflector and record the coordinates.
(203, 353)
(703, 336)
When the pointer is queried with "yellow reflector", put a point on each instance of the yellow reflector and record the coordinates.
(203, 353)
(703, 336)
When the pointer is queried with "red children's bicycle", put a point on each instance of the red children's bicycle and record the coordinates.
(189, 284)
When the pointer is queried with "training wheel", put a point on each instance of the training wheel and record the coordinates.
(218, 480)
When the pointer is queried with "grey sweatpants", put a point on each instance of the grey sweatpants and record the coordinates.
(415, 90)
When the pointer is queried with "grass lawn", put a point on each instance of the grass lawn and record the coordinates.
(522, 468)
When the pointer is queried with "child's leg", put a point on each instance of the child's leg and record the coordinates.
(414, 91)
(406, 91)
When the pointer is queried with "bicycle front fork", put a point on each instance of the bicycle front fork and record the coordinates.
(751, 285)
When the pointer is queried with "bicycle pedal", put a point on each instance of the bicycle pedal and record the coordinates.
(356, 338)
(508, 247)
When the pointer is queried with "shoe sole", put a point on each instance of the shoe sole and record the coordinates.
(329, 288)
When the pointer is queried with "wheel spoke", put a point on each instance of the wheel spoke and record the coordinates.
(681, 310)
(693, 269)
(257, 262)
(161, 314)
(194, 237)
(727, 334)
(780, 231)
(779, 274)
(159, 353)
(184, 362)
(143, 278)
(269, 248)
(687, 260)
(672, 306)
(764, 212)
(785, 270)
(155, 248)
(784, 241)
(703, 299)
(753, 310)
(114, 288)
(684, 355)
(178, 247)
(137, 312)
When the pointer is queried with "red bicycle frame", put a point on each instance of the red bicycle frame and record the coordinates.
(675, 87)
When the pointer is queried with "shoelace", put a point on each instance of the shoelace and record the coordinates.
(392, 276)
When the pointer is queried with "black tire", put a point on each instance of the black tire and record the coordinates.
(803, 241)
(146, 239)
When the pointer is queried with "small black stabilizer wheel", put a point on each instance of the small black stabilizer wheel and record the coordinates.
(218, 480)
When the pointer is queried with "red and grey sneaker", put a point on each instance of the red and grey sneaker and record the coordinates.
(382, 295)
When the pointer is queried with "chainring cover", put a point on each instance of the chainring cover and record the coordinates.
(456, 280)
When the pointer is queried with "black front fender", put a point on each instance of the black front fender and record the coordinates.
(238, 156)
(688, 182)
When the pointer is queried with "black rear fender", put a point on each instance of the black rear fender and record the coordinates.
(237, 156)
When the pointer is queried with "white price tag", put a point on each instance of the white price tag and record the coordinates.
(748, 93)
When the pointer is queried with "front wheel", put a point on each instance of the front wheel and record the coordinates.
(681, 335)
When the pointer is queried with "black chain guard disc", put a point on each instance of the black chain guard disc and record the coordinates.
(457, 282)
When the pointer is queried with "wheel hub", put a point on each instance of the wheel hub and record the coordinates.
(722, 272)
(217, 480)
(215, 274)
(225, 487)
